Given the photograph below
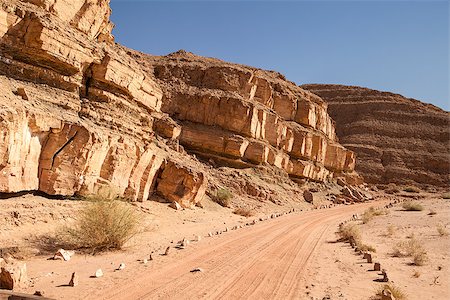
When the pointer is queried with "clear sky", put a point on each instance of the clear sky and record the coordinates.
(397, 46)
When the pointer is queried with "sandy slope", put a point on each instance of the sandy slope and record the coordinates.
(266, 260)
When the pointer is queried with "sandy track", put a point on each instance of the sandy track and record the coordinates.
(264, 261)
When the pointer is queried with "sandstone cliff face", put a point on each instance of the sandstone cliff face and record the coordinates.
(237, 115)
(396, 139)
(81, 116)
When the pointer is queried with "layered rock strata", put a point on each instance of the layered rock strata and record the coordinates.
(396, 139)
(80, 115)
(239, 116)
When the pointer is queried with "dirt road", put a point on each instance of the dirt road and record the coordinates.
(263, 261)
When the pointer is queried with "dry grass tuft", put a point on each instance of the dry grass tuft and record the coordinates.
(442, 230)
(396, 291)
(245, 212)
(348, 232)
(103, 225)
(223, 197)
(420, 258)
(364, 247)
(412, 189)
(371, 213)
(412, 206)
(391, 229)
(411, 248)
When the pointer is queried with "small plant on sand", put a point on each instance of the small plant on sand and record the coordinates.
(411, 248)
(390, 230)
(245, 212)
(412, 206)
(407, 248)
(223, 197)
(442, 230)
(349, 232)
(371, 213)
(396, 292)
(103, 225)
(364, 247)
(420, 258)
(412, 189)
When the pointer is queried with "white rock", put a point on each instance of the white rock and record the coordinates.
(175, 205)
(98, 273)
(63, 254)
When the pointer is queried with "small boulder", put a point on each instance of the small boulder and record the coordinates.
(308, 196)
(387, 295)
(341, 182)
(369, 258)
(63, 254)
(377, 266)
(167, 251)
(197, 270)
(73, 280)
(12, 275)
(98, 273)
(121, 266)
(385, 276)
(175, 205)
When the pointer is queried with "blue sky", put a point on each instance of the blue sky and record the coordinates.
(397, 46)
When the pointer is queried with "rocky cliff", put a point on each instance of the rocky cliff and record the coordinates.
(80, 115)
(396, 139)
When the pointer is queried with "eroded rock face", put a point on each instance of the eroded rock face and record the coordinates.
(396, 139)
(247, 116)
(80, 115)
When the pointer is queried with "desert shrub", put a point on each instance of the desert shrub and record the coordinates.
(223, 197)
(395, 291)
(446, 195)
(372, 212)
(420, 258)
(348, 232)
(103, 225)
(411, 189)
(411, 248)
(392, 189)
(412, 206)
(442, 230)
(390, 230)
(245, 212)
(364, 247)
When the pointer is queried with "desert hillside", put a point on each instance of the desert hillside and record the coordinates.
(396, 139)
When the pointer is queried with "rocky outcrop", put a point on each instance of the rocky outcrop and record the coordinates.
(80, 115)
(245, 116)
(396, 139)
